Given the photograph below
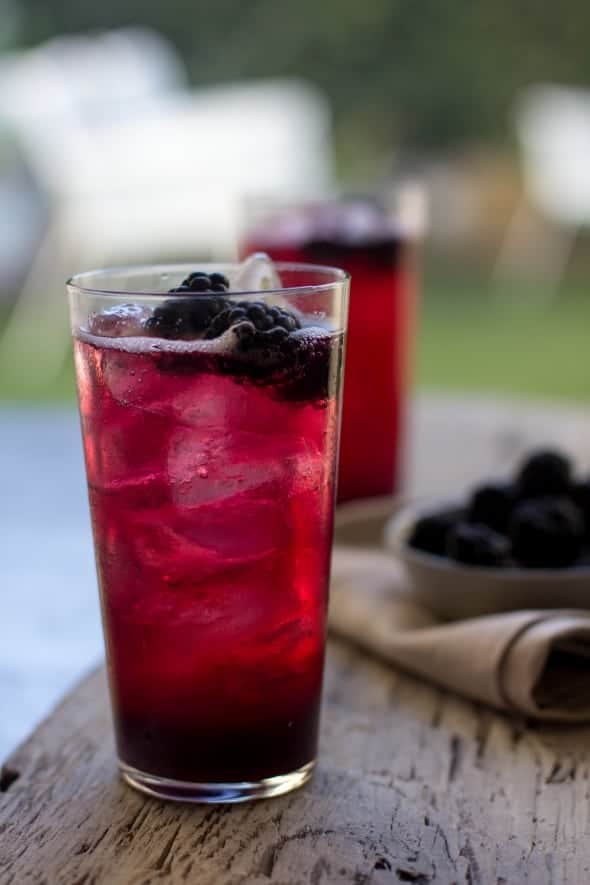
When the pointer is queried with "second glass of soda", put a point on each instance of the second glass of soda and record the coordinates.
(376, 246)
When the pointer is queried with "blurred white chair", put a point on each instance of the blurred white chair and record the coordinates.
(553, 131)
(165, 180)
(90, 78)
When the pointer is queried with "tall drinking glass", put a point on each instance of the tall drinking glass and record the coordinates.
(210, 423)
(377, 248)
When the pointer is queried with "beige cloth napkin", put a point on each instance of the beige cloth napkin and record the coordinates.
(535, 663)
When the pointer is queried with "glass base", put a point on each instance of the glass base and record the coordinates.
(242, 791)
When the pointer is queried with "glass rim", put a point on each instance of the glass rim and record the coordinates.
(401, 204)
(75, 282)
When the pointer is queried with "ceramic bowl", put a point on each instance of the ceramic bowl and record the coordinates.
(453, 590)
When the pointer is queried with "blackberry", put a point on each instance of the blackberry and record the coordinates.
(198, 281)
(166, 322)
(263, 317)
(265, 342)
(270, 345)
(546, 533)
(185, 318)
(311, 367)
(580, 495)
(188, 319)
(430, 532)
(492, 505)
(211, 315)
(477, 544)
(266, 317)
(544, 473)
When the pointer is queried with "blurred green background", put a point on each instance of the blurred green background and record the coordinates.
(426, 90)
(402, 76)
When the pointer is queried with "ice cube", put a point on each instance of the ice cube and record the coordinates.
(240, 527)
(213, 465)
(196, 399)
(255, 274)
(121, 321)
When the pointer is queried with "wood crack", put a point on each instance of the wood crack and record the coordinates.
(320, 867)
(267, 863)
(163, 859)
(270, 856)
(561, 773)
(456, 754)
(100, 838)
(209, 822)
(436, 717)
(482, 735)
(405, 874)
(439, 832)
(473, 873)
(140, 811)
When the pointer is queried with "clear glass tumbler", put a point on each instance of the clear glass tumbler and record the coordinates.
(376, 244)
(210, 422)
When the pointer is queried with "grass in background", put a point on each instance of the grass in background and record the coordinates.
(24, 384)
(471, 338)
(504, 339)
(61, 389)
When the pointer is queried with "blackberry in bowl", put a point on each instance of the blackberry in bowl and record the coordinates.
(544, 473)
(517, 544)
(476, 544)
(547, 533)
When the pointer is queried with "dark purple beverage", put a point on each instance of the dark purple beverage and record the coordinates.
(211, 467)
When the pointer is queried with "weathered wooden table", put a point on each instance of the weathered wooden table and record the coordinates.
(413, 785)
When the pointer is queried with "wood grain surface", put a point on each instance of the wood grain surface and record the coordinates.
(413, 785)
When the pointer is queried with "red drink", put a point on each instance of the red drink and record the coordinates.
(211, 476)
(359, 238)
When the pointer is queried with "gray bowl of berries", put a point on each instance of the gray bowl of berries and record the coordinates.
(523, 544)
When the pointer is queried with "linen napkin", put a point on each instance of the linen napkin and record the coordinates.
(535, 663)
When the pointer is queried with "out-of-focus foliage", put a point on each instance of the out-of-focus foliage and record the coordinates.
(415, 73)
(12, 23)
(409, 80)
